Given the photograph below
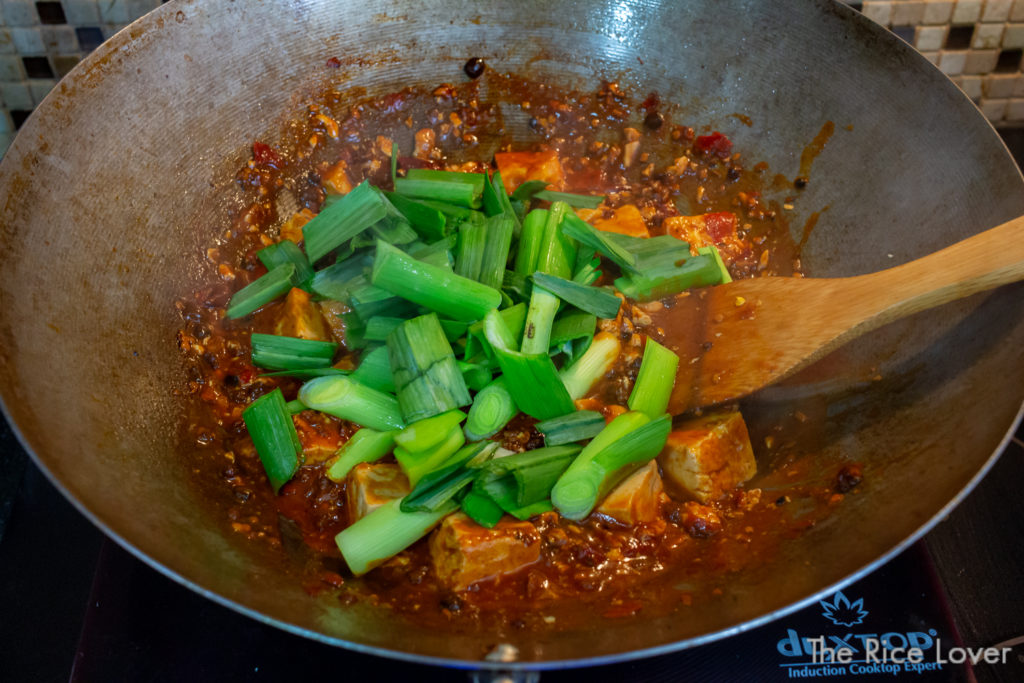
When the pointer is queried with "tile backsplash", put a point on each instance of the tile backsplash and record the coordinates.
(977, 43)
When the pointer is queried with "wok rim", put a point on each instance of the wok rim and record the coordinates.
(116, 41)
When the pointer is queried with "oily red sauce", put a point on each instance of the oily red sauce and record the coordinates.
(588, 569)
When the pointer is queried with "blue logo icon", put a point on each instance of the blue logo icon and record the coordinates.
(842, 612)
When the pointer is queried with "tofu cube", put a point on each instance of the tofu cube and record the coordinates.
(301, 318)
(709, 456)
(463, 552)
(637, 499)
(518, 167)
(625, 220)
(371, 485)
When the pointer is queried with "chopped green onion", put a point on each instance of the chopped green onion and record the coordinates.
(427, 380)
(557, 250)
(532, 379)
(596, 300)
(514, 318)
(530, 241)
(441, 485)
(417, 465)
(394, 228)
(474, 180)
(273, 433)
(306, 373)
(585, 270)
(436, 288)
(529, 189)
(573, 325)
(477, 375)
(598, 360)
(654, 382)
(461, 189)
(539, 318)
(601, 241)
(261, 291)
(713, 250)
(428, 221)
(295, 407)
(578, 426)
(283, 252)
(385, 532)
(394, 163)
(500, 230)
(429, 433)
(346, 398)
(582, 201)
(516, 286)
(534, 472)
(481, 509)
(336, 281)
(575, 493)
(492, 409)
(366, 445)
(378, 328)
(374, 370)
(342, 220)
(697, 271)
(276, 352)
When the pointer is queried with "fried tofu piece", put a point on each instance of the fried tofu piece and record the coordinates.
(301, 318)
(637, 498)
(371, 485)
(463, 552)
(704, 230)
(625, 220)
(320, 438)
(518, 167)
(709, 456)
(292, 228)
(336, 179)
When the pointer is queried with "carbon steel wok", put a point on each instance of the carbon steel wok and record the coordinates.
(121, 174)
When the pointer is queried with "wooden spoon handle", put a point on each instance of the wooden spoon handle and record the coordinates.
(985, 261)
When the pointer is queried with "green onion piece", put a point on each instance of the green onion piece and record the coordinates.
(578, 426)
(514, 318)
(516, 286)
(713, 250)
(575, 493)
(476, 375)
(512, 209)
(385, 532)
(374, 370)
(530, 241)
(273, 433)
(336, 281)
(527, 511)
(557, 250)
(660, 254)
(582, 201)
(528, 190)
(346, 398)
(532, 379)
(417, 465)
(417, 184)
(534, 472)
(539, 318)
(366, 445)
(469, 255)
(481, 509)
(427, 380)
(598, 360)
(596, 300)
(572, 325)
(654, 382)
(428, 221)
(394, 163)
(499, 231)
(492, 409)
(697, 271)
(295, 407)
(424, 435)
(287, 251)
(379, 327)
(343, 220)
(441, 485)
(436, 288)
(307, 373)
(276, 352)
(394, 228)
(591, 237)
(261, 291)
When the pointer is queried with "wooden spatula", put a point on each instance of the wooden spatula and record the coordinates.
(747, 334)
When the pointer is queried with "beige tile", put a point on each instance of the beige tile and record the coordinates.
(996, 10)
(879, 12)
(952, 62)
(16, 96)
(27, 41)
(932, 57)
(6, 43)
(11, 68)
(82, 12)
(971, 85)
(999, 86)
(1018, 87)
(980, 61)
(907, 13)
(994, 110)
(966, 11)
(1017, 13)
(1015, 110)
(987, 36)
(1013, 36)
(59, 39)
(20, 13)
(6, 125)
(938, 11)
(929, 37)
(40, 87)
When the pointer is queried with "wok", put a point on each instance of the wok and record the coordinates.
(125, 169)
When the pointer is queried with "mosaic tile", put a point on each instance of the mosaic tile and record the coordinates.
(996, 10)
(966, 11)
(937, 11)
